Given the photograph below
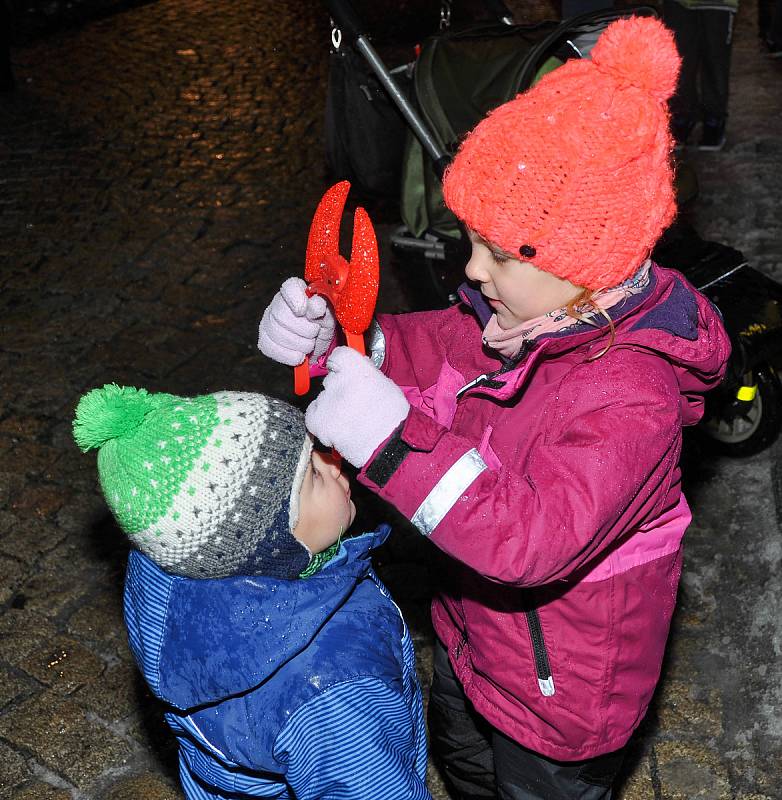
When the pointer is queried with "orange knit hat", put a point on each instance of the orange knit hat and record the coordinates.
(574, 175)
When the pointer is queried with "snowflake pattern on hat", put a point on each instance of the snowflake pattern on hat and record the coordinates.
(205, 486)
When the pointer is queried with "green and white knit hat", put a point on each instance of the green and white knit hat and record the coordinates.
(207, 486)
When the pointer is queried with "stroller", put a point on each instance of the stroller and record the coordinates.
(409, 121)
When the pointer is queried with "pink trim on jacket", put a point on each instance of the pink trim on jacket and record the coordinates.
(660, 537)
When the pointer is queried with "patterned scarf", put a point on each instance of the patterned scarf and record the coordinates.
(508, 342)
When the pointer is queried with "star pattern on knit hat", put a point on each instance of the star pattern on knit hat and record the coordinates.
(199, 502)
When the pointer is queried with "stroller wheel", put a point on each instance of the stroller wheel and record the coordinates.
(745, 423)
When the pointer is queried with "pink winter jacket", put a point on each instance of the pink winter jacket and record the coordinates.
(553, 488)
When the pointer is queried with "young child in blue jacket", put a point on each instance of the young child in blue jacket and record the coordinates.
(287, 670)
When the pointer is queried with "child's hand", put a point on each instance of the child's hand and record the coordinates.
(358, 408)
(295, 326)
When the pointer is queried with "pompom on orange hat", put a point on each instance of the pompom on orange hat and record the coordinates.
(574, 175)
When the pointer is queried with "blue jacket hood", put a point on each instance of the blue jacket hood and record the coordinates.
(199, 641)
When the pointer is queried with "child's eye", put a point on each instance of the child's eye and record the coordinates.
(499, 258)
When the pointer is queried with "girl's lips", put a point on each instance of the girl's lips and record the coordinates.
(492, 302)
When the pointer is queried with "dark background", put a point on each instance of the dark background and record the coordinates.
(159, 166)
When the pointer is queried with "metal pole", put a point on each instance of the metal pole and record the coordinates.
(438, 155)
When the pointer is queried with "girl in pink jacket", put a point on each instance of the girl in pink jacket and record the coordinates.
(533, 431)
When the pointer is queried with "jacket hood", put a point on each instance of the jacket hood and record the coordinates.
(199, 641)
(671, 317)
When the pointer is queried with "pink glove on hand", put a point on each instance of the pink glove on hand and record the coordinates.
(358, 408)
(295, 326)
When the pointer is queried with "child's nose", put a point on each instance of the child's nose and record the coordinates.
(476, 269)
(333, 465)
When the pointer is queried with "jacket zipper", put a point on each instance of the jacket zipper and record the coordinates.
(488, 379)
(542, 665)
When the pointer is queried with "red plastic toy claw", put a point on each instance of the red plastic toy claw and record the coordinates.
(350, 286)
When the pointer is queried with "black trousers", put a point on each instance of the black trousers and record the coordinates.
(704, 39)
(479, 762)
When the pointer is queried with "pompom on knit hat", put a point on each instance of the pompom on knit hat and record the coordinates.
(207, 486)
(574, 175)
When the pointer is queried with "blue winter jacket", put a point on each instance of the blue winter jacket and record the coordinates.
(283, 688)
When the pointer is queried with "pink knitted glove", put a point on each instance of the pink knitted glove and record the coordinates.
(358, 408)
(295, 326)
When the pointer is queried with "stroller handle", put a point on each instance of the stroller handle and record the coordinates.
(346, 19)
(500, 10)
(438, 156)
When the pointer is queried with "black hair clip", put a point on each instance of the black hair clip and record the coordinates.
(528, 251)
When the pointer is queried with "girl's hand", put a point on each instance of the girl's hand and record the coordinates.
(358, 409)
(295, 326)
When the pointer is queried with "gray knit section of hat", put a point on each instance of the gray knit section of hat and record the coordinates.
(239, 520)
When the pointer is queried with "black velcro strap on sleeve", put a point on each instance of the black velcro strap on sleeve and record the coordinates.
(389, 459)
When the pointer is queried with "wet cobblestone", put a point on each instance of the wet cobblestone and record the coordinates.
(158, 171)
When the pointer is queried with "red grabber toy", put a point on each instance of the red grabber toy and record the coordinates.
(350, 286)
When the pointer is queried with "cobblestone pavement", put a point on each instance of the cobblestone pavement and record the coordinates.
(159, 168)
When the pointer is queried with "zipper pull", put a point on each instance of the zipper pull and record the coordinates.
(487, 380)
(468, 386)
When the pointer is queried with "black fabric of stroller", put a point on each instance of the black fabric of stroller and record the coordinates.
(365, 132)
(458, 78)
(461, 75)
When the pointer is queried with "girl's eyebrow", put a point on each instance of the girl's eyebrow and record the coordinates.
(474, 236)
(498, 251)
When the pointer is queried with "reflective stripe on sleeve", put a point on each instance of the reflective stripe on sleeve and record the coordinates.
(447, 491)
